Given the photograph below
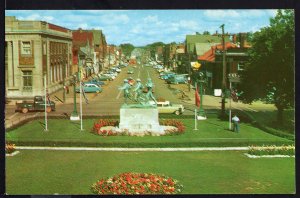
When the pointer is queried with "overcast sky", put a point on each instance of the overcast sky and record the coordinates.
(141, 27)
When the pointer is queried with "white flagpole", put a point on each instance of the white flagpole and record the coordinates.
(195, 120)
(81, 128)
(45, 92)
(230, 106)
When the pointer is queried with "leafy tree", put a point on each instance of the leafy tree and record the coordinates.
(269, 75)
(127, 48)
(206, 33)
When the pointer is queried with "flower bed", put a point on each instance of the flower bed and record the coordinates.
(178, 124)
(102, 123)
(137, 183)
(272, 150)
(10, 148)
(179, 127)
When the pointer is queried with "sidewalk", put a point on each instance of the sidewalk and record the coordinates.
(134, 149)
(210, 101)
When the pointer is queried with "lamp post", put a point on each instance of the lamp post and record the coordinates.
(74, 114)
(201, 81)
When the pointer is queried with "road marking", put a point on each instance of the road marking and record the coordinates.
(10, 117)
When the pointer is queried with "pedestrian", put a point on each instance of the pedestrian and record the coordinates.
(236, 120)
(67, 88)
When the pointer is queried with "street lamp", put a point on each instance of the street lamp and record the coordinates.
(202, 80)
(74, 114)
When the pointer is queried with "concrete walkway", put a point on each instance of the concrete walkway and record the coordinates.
(133, 149)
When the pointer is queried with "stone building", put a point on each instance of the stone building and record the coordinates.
(32, 49)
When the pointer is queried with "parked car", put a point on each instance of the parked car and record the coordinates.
(110, 75)
(90, 88)
(97, 82)
(176, 79)
(168, 107)
(104, 78)
(38, 104)
(166, 75)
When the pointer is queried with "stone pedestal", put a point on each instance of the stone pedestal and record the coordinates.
(139, 119)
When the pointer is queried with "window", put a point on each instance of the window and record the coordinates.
(26, 48)
(44, 49)
(27, 80)
(241, 66)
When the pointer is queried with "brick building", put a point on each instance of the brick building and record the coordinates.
(32, 49)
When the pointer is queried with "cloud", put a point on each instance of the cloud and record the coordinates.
(37, 17)
(114, 19)
(150, 18)
(221, 13)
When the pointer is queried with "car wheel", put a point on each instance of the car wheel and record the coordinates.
(24, 110)
(97, 91)
(48, 109)
(177, 112)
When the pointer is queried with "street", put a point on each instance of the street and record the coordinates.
(109, 101)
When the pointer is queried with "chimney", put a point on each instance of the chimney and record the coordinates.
(242, 39)
(234, 38)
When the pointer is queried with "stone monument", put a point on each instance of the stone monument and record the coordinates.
(140, 117)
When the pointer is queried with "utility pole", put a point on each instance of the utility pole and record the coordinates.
(224, 72)
(189, 65)
(108, 56)
(64, 76)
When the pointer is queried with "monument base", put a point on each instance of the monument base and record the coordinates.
(201, 118)
(139, 119)
(74, 118)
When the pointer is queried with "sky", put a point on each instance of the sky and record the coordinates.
(142, 27)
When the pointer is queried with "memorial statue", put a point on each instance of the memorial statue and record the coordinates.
(149, 94)
(138, 89)
(126, 87)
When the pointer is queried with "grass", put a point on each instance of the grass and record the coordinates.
(269, 119)
(211, 132)
(205, 172)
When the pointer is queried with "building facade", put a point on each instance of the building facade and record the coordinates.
(34, 49)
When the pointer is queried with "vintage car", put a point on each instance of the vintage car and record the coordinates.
(95, 81)
(90, 88)
(38, 104)
(177, 79)
(168, 107)
(104, 78)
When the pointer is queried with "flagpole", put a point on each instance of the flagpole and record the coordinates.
(230, 106)
(81, 128)
(45, 92)
(196, 120)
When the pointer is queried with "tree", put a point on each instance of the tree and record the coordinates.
(269, 75)
(206, 33)
(127, 48)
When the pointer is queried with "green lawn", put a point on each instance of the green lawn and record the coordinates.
(204, 172)
(211, 132)
(269, 119)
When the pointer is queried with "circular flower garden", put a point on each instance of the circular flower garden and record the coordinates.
(137, 183)
(104, 127)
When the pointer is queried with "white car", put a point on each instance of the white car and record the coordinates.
(110, 75)
(167, 107)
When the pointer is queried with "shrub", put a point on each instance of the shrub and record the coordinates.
(137, 183)
(272, 150)
(10, 148)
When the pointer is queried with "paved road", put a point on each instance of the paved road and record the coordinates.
(110, 100)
